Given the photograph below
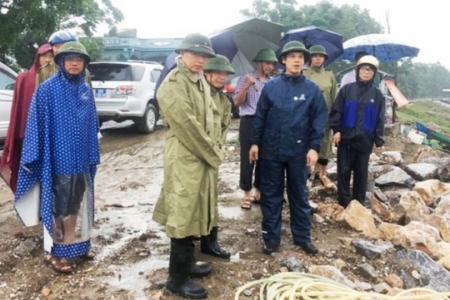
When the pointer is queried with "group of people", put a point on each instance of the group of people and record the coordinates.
(52, 147)
(288, 124)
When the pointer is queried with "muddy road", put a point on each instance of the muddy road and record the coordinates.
(132, 250)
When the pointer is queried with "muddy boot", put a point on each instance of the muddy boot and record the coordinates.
(209, 245)
(179, 282)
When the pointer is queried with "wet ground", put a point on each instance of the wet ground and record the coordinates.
(132, 250)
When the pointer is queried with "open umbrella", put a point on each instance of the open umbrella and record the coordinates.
(311, 35)
(249, 36)
(240, 43)
(384, 47)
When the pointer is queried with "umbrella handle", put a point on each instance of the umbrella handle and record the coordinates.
(255, 87)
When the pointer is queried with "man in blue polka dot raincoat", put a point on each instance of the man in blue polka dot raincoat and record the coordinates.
(60, 154)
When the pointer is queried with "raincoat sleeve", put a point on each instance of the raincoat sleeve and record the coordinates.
(337, 111)
(333, 91)
(318, 120)
(379, 132)
(259, 124)
(226, 118)
(180, 116)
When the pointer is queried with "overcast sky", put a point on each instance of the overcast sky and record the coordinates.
(423, 24)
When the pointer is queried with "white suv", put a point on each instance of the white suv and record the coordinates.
(126, 91)
(7, 81)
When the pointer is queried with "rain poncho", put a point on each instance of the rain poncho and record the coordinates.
(60, 153)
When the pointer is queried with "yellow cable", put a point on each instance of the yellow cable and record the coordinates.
(295, 286)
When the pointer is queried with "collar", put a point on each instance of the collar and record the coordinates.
(255, 74)
(290, 78)
(316, 69)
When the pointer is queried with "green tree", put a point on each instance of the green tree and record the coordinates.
(94, 46)
(347, 20)
(25, 23)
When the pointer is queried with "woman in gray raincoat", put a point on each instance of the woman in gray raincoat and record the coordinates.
(192, 155)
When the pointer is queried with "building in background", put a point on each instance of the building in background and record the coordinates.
(124, 45)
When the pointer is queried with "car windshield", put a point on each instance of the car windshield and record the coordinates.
(6, 81)
(116, 72)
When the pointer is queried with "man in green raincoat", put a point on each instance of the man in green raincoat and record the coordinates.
(192, 155)
(326, 81)
(216, 74)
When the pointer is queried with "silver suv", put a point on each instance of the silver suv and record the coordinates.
(7, 81)
(126, 91)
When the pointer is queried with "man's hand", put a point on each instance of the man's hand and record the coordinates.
(249, 81)
(336, 138)
(311, 158)
(381, 149)
(254, 153)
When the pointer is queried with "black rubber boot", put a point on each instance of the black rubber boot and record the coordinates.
(179, 282)
(209, 245)
(199, 270)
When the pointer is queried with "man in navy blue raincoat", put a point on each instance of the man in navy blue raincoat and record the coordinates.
(287, 134)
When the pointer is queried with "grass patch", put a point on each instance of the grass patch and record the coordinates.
(431, 113)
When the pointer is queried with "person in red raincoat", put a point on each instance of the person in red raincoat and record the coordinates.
(23, 92)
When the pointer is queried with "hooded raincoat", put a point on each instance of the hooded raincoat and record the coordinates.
(192, 155)
(23, 92)
(326, 81)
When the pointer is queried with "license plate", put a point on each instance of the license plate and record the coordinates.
(100, 93)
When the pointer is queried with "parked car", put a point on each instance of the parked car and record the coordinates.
(7, 82)
(126, 91)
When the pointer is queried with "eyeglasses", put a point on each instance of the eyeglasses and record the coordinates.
(367, 70)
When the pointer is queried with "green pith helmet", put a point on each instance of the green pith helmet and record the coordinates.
(219, 63)
(293, 46)
(196, 42)
(265, 55)
(73, 47)
(318, 49)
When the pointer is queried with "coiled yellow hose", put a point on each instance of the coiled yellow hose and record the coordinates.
(294, 285)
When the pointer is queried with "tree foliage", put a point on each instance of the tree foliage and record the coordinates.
(27, 23)
(348, 20)
(416, 80)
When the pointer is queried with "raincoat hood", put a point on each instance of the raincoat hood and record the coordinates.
(41, 50)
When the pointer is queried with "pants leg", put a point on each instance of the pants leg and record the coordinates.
(245, 130)
(272, 184)
(360, 174)
(300, 209)
(345, 157)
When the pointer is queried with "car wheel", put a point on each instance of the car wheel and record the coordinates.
(147, 123)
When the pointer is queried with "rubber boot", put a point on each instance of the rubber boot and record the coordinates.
(197, 271)
(209, 245)
(179, 282)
